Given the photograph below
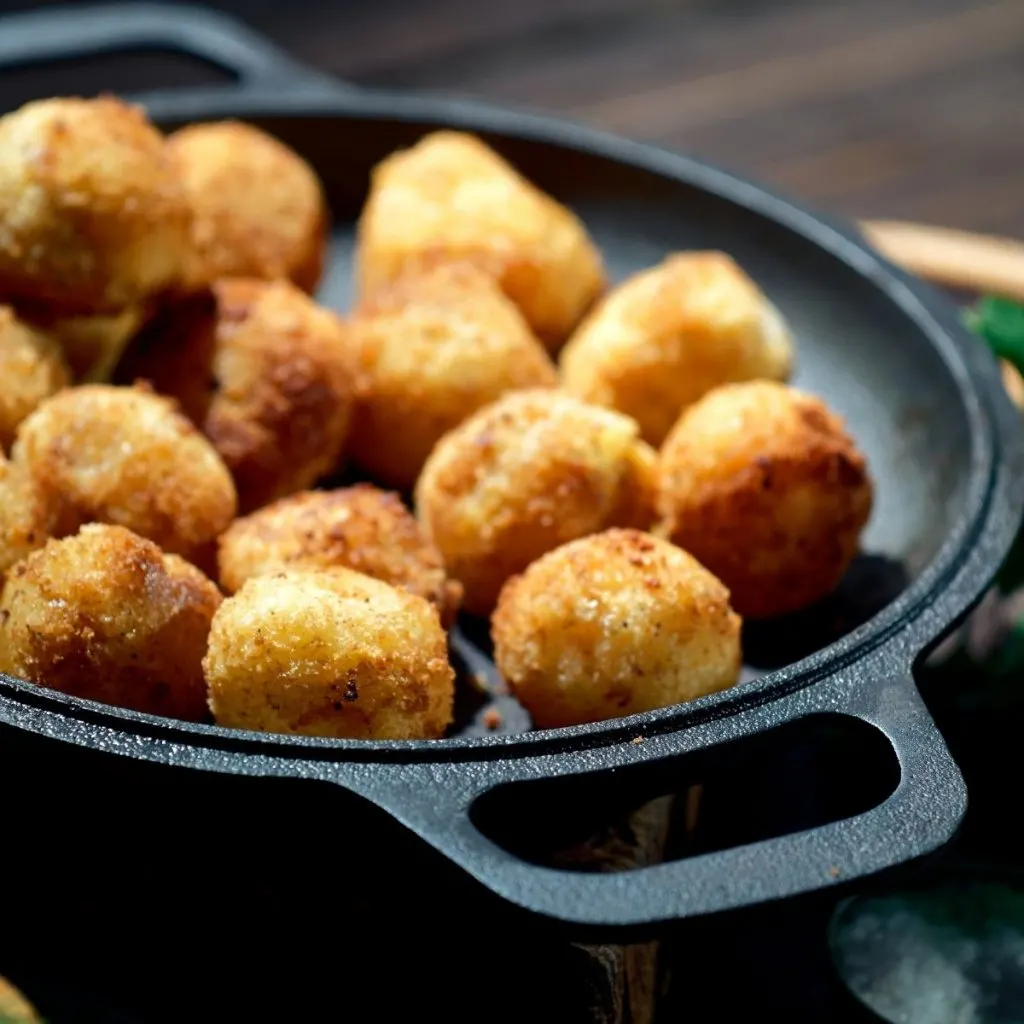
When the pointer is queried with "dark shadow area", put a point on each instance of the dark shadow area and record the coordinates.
(795, 777)
(138, 893)
(872, 582)
(135, 71)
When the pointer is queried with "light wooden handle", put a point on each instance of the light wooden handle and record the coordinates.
(956, 259)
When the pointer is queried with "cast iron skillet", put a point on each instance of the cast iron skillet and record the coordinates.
(922, 398)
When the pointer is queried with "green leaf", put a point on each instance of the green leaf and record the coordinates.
(1001, 323)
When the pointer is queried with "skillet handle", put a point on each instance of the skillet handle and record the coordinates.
(921, 815)
(79, 32)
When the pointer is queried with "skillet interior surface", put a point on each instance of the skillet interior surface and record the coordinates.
(855, 348)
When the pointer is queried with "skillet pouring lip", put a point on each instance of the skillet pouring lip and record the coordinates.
(946, 587)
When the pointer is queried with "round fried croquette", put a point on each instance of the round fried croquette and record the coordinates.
(611, 625)
(433, 348)
(106, 615)
(27, 519)
(127, 456)
(93, 216)
(330, 654)
(32, 368)
(14, 1007)
(360, 528)
(668, 335)
(264, 372)
(525, 474)
(258, 208)
(451, 197)
(761, 483)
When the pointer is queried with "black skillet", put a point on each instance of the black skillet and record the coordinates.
(922, 398)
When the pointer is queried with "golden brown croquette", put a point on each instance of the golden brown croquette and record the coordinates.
(614, 624)
(451, 197)
(434, 347)
(761, 483)
(258, 209)
(525, 474)
(329, 654)
(93, 216)
(32, 367)
(668, 335)
(128, 457)
(108, 616)
(360, 528)
(264, 372)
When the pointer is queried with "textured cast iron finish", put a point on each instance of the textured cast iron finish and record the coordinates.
(431, 786)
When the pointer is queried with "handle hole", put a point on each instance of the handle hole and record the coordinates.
(130, 71)
(798, 776)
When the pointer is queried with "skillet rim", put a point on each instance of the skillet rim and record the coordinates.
(973, 371)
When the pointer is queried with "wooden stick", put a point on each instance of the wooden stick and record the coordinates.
(955, 259)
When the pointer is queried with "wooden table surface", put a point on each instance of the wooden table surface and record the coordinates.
(910, 109)
(873, 108)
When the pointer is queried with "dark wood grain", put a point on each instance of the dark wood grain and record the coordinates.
(870, 108)
(907, 109)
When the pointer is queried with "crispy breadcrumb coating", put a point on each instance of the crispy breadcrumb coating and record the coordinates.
(761, 483)
(108, 616)
(258, 207)
(433, 348)
(129, 457)
(93, 216)
(451, 197)
(614, 624)
(666, 336)
(266, 374)
(360, 528)
(329, 654)
(525, 474)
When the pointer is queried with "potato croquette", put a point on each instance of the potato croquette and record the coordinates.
(264, 372)
(93, 217)
(667, 335)
(32, 368)
(27, 519)
(450, 197)
(522, 476)
(127, 456)
(258, 208)
(358, 528)
(611, 625)
(14, 1007)
(433, 348)
(329, 654)
(108, 616)
(761, 483)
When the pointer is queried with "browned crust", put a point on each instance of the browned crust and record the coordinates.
(107, 616)
(778, 517)
(264, 372)
(360, 528)
(93, 215)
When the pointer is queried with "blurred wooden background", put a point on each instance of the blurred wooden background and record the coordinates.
(873, 108)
